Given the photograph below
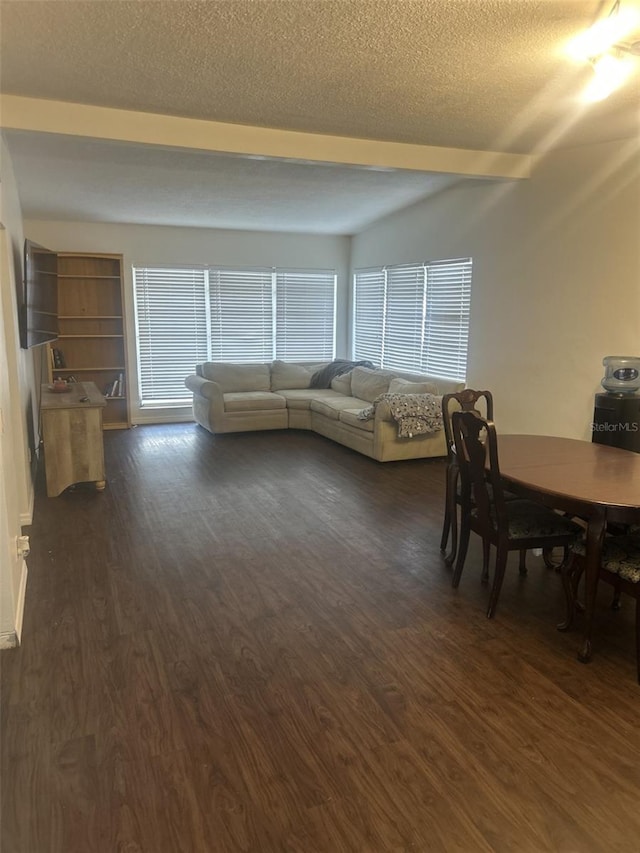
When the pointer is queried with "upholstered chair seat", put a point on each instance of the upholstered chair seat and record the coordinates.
(527, 520)
(620, 555)
(620, 567)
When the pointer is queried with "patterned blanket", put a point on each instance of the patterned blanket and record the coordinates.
(416, 414)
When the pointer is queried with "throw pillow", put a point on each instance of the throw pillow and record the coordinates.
(237, 377)
(342, 384)
(368, 384)
(405, 386)
(289, 377)
(322, 378)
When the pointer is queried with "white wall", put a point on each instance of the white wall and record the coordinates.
(16, 392)
(143, 245)
(556, 278)
(19, 362)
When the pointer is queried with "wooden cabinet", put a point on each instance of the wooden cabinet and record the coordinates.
(91, 345)
(72, 436)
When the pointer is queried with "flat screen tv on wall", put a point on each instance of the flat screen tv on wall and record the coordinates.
(39, 308)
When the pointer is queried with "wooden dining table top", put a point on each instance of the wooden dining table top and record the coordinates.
(595, 482)
(572, 469)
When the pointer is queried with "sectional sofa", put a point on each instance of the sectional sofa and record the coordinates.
(277, 395)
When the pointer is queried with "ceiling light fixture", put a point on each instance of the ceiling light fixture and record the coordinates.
(603, 46)
(610, 70)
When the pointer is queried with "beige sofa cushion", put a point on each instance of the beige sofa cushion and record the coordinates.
(238, 377)
(342, 384)
(332, 406)
(252, 401)
(350, 416)
(367, 384)
(285, 375)
(301, 398)
(404, 386)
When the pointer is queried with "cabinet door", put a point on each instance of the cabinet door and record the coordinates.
(73, 449)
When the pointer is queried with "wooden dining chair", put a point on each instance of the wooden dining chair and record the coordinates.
(479, 403)
(509, 525)
(620, 567)
(465, 401)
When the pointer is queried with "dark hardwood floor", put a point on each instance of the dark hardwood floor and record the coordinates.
(251, 643)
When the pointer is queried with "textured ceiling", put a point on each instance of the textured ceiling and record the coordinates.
(91, 180)
(476, 74)
(460, 73)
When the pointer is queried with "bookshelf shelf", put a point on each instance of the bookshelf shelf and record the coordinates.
(80, 369)
(92, 342)
(66, 275)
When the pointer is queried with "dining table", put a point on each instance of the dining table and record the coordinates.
(589, 481)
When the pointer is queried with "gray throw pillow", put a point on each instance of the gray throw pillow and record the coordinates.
(342, 384)
(368, 384)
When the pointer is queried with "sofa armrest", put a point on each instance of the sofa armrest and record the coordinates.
(383, 412)
(210, 391)
(204, 387)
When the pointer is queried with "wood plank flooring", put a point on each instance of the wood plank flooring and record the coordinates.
(250, 643)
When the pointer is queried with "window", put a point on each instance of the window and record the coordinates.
(241, 311)
(185, 316)
(414, 317)
(368, 314)
(172, 333)
(305, 315)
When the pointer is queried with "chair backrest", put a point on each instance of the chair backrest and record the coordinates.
(464, 401)
(476, 446)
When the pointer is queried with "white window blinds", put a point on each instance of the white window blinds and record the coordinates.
(171, 330)
(404, 322)
(369, 315)
(305, 315)
(241, 304)
(414, 317)
(447, 319)
(186, 316)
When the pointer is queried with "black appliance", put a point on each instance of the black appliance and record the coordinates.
(616, 421)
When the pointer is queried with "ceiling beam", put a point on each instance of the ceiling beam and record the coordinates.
(70, 119)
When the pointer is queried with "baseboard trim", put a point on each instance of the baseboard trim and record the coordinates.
(11, 639)
(26, 518)
(163, 419)
(20, 603)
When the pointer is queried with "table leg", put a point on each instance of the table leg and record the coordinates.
(595, 535)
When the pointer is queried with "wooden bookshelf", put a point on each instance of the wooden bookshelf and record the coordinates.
(91, 344)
